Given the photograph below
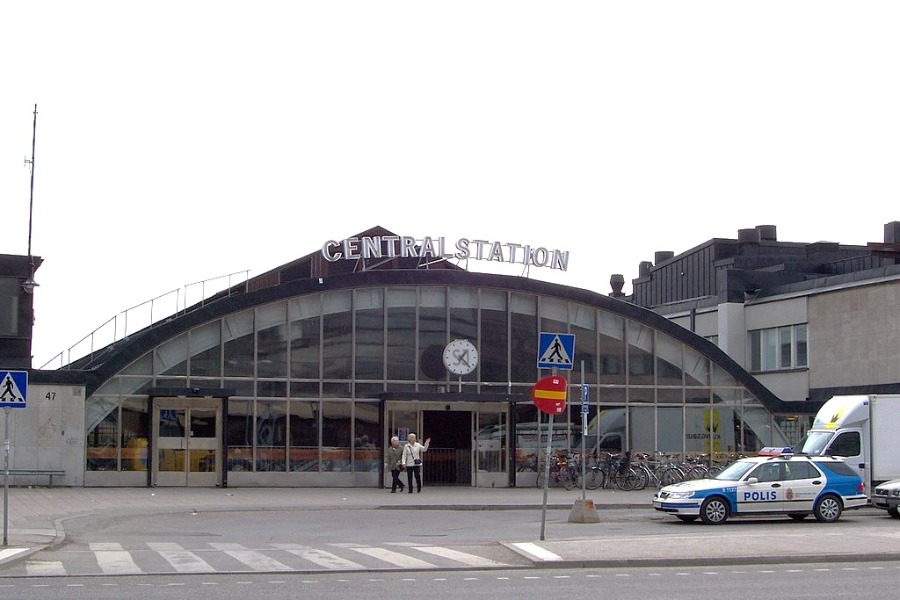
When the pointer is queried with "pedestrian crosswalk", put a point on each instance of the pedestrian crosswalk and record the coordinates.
(112, 558)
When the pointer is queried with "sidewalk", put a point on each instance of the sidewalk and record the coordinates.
(37, 519)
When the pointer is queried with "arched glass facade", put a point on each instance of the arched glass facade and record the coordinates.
(317, 382)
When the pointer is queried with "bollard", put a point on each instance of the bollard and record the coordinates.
(584, 511)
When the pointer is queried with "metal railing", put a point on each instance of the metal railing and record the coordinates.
(446, 466)
(144, 315)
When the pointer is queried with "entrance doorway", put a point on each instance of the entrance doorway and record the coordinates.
(449, 462)
(468, 440)
(187, 441)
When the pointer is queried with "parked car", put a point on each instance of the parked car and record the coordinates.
(887, 497)
(776, 482)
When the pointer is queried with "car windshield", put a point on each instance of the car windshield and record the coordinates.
(735, 471)
(813, 443)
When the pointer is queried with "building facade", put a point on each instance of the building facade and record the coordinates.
(299, 376)
(808, 320)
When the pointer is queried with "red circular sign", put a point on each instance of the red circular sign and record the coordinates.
(549, 394)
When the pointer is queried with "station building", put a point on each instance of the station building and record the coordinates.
(299, 376)
(809, 320)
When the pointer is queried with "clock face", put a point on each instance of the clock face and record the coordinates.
(460, 357)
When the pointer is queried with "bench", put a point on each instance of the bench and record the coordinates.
(49, 472)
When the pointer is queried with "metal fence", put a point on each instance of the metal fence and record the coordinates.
(447, 466)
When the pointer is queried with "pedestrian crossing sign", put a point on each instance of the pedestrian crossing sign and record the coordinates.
(556, 351)
(13, 388)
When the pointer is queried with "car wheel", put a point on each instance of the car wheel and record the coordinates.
(687, 518)
(894, 512)
(828, 509)
(714, 510)
(797, 517)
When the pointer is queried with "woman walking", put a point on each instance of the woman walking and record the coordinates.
(412, 460)
(394, 463)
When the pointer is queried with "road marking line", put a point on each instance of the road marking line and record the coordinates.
(10, 552)
(181, 560)
(536, 551)
(320, 557)
(462, 557)
(113, 560)
(395, 558)
(45, 567)
(252, 558)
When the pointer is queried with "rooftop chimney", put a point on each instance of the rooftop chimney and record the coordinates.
(662, 256)
(767, 233)
(748, 236)
(892, 232)
(644, 268)
(617, 282)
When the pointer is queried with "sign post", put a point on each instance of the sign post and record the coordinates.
(549, 396)
(13, 392)
(584, 432)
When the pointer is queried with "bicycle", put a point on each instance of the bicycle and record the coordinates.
(562, 471)
(616, 470)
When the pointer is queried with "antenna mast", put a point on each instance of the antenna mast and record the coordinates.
(29, 284)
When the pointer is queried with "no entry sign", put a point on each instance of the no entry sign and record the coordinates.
(549, 394)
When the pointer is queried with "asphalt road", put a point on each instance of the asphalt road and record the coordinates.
(791, 582)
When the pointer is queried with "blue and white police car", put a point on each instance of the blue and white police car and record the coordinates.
(774, 482)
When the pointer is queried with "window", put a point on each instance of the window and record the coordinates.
(848, 443)
(767, 472)
(796, 470)
(777, 348)
(9, 306)
(839, 468)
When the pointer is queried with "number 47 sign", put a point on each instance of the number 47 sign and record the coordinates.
(13, 388)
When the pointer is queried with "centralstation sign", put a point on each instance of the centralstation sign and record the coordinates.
(404, 246)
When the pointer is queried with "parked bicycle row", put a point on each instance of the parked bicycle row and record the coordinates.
(625, 471)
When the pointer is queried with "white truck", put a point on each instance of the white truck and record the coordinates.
(865, 430)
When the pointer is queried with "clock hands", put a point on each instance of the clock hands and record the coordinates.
(462, 357)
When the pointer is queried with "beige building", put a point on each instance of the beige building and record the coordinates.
(808, 320)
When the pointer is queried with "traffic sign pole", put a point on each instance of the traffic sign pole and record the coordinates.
(584, 431)
(547, 469)
(13, 394)
(6, 411)
(549, 395)
(547, 473)
(555, 351)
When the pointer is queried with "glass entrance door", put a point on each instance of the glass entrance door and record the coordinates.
(469, 443)
(492, 450)
(188, 442)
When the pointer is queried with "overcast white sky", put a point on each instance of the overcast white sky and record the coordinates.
(182, 141)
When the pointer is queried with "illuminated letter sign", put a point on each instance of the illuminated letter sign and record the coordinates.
(403, 246)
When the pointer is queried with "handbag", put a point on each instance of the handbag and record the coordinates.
(401, 466)
(417, 461)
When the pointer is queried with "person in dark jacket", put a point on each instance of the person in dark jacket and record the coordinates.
(394, 463)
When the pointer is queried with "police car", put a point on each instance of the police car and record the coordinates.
(774, 482)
